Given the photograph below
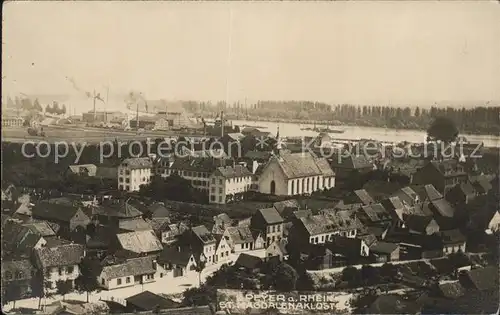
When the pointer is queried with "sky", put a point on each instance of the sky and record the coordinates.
(362, 52)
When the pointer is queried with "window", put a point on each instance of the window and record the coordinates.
(212, 198)
(127, 280)
(278, 228)
(316, 240)
(222, 254)
(273, 229)
(213, 181)
(220, 190)
(220, 199)
(322, 238)
(127, 180)
(127, 172)
(119, 281)
(121, 179)
(220, 181)
(161, 275)
(70, 269)
(103, 282)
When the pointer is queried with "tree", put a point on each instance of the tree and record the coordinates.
(285, 277)
(443, 129)
(37, 287)
(64, 287)
(370, 274)
(11, 292)
(87, 281)
(199, 269)
(417, 112)
(351, 275)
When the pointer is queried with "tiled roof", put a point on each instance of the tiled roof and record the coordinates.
(297, 165)
(248, 261)
(448, 167)
(240, 234)
(172, 255)
(319, 224)
(63, 255)
(282, 205)
(258, 155)
(158, 224)
(147, 300)
(40, 227)
(135, 224)
(90, 169)
(232, 171)
(384, 247)
(54, 211)
(351, 162)
(158, 210)
(430, 193)
(444, 208)
(197, 164)
(271, 215)
(484, 278)
(408, 195)
(364, 196)
(120, 209)
(137, 163)
(302, 213)
(376, 212)
(418, 223)
(130, 267)
(203, 234)
(139, 241)
(451, 290)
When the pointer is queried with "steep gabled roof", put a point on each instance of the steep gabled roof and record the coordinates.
(55, 211)
(129, 267)
(232, 171)
(203, 234)
(139, 241)
(175, 255)
(271, 215)
(62, 255)
(298, 165)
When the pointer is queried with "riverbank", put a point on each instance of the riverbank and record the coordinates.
(337, 123)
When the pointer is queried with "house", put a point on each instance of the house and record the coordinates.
(248, 262)
(417, 246)
(134, 172)
(315, 256)
(287, 207)
(229, 183)
(386, 251)
(239, 238)
(480, 278)
(442, 208)
(223, 248)
(351, 248)
(345, 166)
(395, 208)
(360, 196)
(179, 260)
(41, 227)
(12, 121)
(197, 170)
(443, 175)
(128, 272)
(82, 170)
(320, 228)
(116, 213)
(148, 301)
(203, 243)
(269, 222)
(295, 174)
(68, 217)
(407, 196)
(461, 193)
(278, 249)
(222, 221)
(427, 192)
(170, 232)
(19, 240)
(19, 273)
(139, 242)
(421, 224)
(374, 215)
(453, 241)
(59, 263)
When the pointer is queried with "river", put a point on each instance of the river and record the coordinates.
(355, 133)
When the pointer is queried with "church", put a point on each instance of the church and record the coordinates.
(288, 174)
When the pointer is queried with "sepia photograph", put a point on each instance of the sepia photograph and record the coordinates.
(250, 157)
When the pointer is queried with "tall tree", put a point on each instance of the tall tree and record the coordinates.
(442, 129)
(37, 106)
(64, 287)
(87, 281)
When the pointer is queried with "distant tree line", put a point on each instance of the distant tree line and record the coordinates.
(29, 105)
(471, 120)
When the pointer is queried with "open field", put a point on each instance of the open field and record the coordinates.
(81, 134)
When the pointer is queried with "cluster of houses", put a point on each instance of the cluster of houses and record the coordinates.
(135, 243)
